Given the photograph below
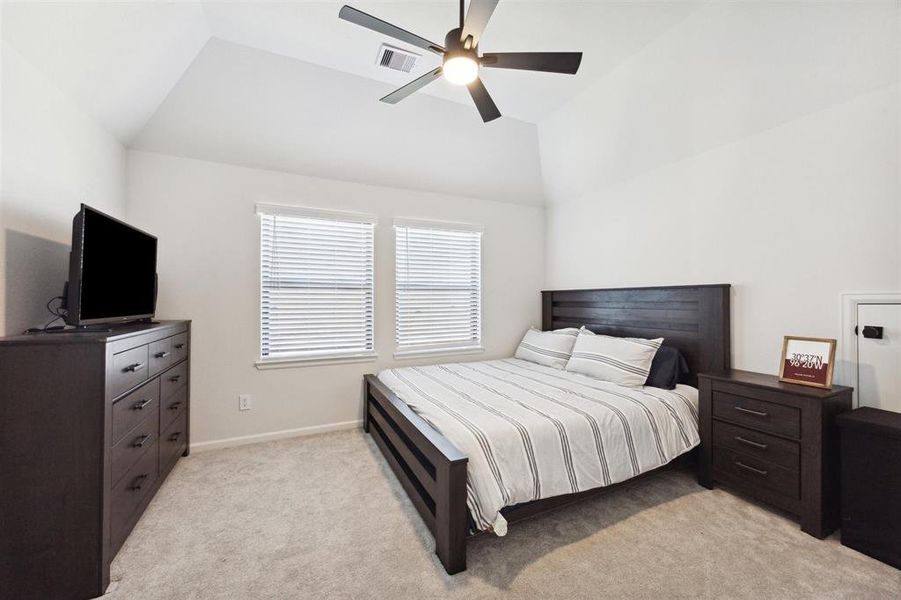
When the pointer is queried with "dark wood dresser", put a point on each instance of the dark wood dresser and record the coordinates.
(90, 426)
(774, 441)
(871, 483)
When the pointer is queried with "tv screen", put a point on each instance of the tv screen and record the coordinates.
(112, 270)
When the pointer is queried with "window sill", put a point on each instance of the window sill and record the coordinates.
(402, 354)
(313, 361)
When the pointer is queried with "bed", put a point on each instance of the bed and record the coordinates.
(528, 437)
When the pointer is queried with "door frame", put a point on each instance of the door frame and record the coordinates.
(849, 352)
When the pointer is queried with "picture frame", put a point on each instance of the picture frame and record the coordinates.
(807, 361)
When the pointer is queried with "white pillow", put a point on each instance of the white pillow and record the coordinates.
(550, 348)
(625, 361)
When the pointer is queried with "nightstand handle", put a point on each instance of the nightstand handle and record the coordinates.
(756, 413)
(758, 445)
(742, 465)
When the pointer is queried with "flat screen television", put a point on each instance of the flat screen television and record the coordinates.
(112, 271)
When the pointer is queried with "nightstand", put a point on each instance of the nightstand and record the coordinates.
(776, 442)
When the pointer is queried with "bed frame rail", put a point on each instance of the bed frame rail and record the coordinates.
(430, 468)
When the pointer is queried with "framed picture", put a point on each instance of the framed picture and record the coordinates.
(807, 361)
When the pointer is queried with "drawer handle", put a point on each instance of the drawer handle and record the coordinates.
(756, 413)
(162, 354)
(139, 443)
(133, 368)
(175, 378)
(140, 405)
(138, 482)
(757, 445)
(174, 437)
(742, 465)
(179, 346)
(175, 405)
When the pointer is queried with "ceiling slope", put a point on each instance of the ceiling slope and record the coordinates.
(117, 61)
(244, 106)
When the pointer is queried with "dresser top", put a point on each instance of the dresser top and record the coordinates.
(111, 333)
(771, 382)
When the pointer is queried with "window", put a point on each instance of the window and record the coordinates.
(316, 285)
(438, 291)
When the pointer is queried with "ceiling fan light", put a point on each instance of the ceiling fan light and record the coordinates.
(460, 70)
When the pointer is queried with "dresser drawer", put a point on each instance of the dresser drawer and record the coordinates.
(173, 380)
(129, 369)
(128, 493)
(160, 356)
(173, 440)
(778, 451)
(756, 472)
(757, 414)
(135, 442)
(179, 347)
(130, 410)
(172, 407)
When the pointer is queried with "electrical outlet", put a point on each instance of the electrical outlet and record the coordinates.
(243, 401)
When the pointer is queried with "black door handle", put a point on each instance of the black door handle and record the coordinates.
(139, 443)
(872, 332)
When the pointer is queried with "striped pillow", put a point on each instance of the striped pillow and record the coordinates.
(550, 348)
(625, 361)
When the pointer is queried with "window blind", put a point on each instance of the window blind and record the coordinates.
(316, 292)
(438, 287)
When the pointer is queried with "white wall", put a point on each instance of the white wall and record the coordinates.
(53, 158)
(755, 144)
(203, 214)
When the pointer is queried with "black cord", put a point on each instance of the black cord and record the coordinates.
(58, 313)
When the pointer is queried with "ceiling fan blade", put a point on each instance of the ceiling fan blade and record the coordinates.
(477, 18)
(481, 97)
(417, 84)
(551, 62)
(358, 17)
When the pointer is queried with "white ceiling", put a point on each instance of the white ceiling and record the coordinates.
(240, 105)
(120, 60)
(606, 32)
(116, 61)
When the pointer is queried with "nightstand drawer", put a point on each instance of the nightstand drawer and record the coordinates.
(757, 414)
(766, 447)
(758, 473)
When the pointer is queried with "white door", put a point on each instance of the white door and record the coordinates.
(879, 360)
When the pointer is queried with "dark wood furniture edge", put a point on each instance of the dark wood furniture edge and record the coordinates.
(766, 381)
(429, 467)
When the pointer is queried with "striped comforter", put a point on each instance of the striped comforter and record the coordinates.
(532, 431)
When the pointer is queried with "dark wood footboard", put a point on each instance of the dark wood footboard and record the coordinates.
(430, 468)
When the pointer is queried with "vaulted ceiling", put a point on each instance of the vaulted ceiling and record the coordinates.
(158, 77)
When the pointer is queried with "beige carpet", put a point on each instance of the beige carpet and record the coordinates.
(323, 517)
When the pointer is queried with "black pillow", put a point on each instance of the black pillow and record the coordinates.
(667, 369)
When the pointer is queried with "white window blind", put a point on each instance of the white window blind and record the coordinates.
(316, 292)
(438, 287)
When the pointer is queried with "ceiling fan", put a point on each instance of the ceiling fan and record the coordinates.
(460, 55)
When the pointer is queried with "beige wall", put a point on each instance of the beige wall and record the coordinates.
(203, 214)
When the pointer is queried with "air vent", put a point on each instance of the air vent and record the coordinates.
(396, 59)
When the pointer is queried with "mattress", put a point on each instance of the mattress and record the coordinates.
(533, 432)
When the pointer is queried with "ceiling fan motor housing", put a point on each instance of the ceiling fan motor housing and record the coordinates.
(454, 46)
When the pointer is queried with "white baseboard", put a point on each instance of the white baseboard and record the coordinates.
(274, 435)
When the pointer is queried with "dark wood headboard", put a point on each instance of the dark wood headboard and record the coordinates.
(694, 319)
